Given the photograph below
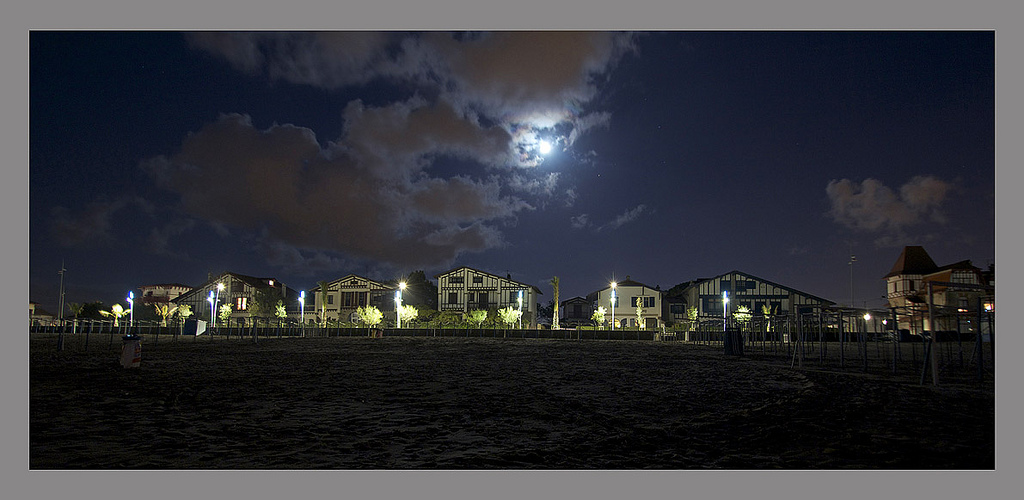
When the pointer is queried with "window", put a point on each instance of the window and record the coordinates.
(241, 303)
(478, 279)
(330, 298)
(453, 297)
(643, 301)
(456, 280)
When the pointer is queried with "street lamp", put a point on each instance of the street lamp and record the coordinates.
(613, 305)
(213, 305)
(398, 303)
(520, 309)
(131, 308)
(210, 299)
(725, 311)
(302, 311)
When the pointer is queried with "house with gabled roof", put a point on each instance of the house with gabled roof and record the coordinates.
(575, 312)
(466, 289)
(745, 289)
(161, 293)
(630, 294)
(346, 294)
(240, 290)
(907, 290)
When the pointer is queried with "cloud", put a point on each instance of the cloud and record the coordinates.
(625, 217)
(872, 206)
(580, 221)
(524, 81)
(93, 225)
(281, 183)
(583, 221)
(159, 237)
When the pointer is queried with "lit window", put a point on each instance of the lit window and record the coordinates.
(241, 303)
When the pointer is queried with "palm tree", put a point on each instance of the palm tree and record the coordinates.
(164, 311)
(323, 303)
(116, 311)
(554, 319)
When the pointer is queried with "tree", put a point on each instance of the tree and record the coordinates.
(598, 316)
(742, 315)
(554, 316)
(224, 313)
(640, 313)
(691, 315)
(477, 317)
(279, 311)
(420, 291)
(76, 308)
(369, 315)
(446, 319)
(264, 303)
(323, 303)
(164, 311)
(116, 311)
(767, 311)
(407, 313)
(509, 315)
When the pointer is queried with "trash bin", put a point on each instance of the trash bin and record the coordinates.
(733, 341)
(131, 351)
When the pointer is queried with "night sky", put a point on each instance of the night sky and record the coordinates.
(160, 157)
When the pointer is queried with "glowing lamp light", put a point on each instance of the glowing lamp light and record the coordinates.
(725, 310)
(867, 316)
(302, 311)
(613, 304)
(131, 307)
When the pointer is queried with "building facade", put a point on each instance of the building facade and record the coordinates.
(241, 292)
(161, 294)
(744, 289)
(954, 307)
(465, 289)
(345, 295)
(574, 312)
(628, 295)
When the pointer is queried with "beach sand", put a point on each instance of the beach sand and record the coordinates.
(458, 403)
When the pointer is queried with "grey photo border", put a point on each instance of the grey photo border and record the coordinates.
(646, 15)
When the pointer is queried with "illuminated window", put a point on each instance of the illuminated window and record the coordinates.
(241, 303)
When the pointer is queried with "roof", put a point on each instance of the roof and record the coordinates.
(574, 299)
(624, 283)
(166, 285)
(350, 276)
(492, 275)
(258, 283)
(913, 260)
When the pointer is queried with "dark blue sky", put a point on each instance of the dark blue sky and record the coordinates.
(160, 157)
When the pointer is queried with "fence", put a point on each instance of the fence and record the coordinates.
(841, 340)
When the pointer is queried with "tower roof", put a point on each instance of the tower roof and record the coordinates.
(913, 260)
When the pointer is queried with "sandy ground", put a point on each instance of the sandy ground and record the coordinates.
(457, 403)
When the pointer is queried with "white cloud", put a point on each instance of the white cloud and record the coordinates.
(872, 206)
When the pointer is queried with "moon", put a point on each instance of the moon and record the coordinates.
(545, 147)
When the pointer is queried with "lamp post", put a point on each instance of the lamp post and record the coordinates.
(520, 309)
(131, 309)
(853, 258)
(725, 311)
(613, 305)
(213, 318)
(398, 303)
(302, 312)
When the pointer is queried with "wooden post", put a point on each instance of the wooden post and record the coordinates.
(935, 337)
(977, 342)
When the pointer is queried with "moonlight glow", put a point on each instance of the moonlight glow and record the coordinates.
(545, 147)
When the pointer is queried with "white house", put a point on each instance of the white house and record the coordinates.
(465, 289)
(346, 294)
(907, 291)
(628, 295)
